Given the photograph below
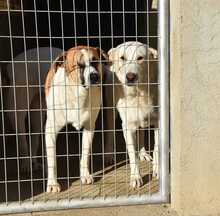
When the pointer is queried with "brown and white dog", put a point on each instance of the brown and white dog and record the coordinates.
(130, 87)
(73, 95)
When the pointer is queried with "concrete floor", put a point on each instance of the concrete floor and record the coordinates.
(107, 187)
(110, 182)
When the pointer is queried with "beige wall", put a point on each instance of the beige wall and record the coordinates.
(195, 106)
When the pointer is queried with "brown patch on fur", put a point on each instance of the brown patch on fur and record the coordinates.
(58, 62)
(69, 60)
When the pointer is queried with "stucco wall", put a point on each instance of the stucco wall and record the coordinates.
(195, 106)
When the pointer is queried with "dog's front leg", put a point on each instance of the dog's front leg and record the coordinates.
(87, 138)
(130, 138)
(51, 131)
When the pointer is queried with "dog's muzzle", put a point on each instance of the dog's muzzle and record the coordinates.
(94, 78)
(131, 78)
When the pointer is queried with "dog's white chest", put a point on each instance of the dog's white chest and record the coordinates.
(134, 111)
(73, 104)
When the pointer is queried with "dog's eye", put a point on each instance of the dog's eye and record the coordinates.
(94, 59)
(140, 58)
(122, 58)
(94, 62)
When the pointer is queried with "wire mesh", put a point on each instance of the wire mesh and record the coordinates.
(122, 159)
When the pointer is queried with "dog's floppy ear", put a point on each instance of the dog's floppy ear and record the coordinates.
(72, 57)
(58, 62)
(153, 54)
(103, 55)
(111, 54)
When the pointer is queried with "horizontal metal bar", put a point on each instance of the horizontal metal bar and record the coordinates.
(69, 155)
(49, 62)
(15, 207)
(80, 12)
(78, 37)
(76, 132)
(44, 109)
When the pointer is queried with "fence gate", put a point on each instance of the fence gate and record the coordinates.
(33, 33)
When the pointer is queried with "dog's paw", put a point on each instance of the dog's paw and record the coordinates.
(86, 178)
(144, 156)
(53, 187)
(136, 181)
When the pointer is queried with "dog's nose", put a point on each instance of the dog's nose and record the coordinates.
(94, 78)
(131, 77)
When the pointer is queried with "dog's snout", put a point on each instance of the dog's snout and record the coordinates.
(94, 78)
(131, 77)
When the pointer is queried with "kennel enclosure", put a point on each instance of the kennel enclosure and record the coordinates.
(33, 35)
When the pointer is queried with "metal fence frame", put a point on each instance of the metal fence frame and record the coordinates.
(163, 195)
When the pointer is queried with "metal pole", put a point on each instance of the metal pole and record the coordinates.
(163, 42)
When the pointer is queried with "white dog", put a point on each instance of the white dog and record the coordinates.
(132, 92)
(73, 95)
